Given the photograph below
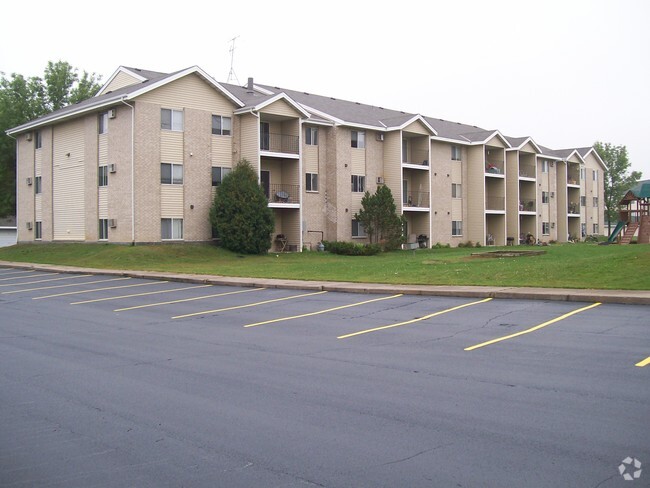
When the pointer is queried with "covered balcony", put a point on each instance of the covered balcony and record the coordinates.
(279, 143)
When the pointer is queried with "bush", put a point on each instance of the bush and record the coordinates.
(351, 248)
(439, 245)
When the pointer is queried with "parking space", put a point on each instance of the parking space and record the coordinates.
(337, 388)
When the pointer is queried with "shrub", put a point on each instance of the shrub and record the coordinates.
(351, 248)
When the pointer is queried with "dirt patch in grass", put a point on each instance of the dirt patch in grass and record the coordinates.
(507, 254)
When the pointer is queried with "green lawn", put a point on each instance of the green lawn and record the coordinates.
(563, 266)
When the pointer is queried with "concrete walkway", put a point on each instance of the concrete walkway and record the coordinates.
(636, 297)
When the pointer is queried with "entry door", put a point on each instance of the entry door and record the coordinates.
(265, 181)
(265, 136)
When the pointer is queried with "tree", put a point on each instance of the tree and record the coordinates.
(616, 178)
(240, 212)
(379, 218)
(24, 99)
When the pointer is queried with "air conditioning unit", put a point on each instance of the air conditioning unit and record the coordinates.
(552, 194)
(29, 226)
(552, 164)
(380, 136)
(28, 136)
(552, 225)
(112, 223)
(30, 180)
(112, 113)
(112, 168)
(380, 180)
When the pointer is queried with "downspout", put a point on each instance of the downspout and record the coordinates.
(132, 170)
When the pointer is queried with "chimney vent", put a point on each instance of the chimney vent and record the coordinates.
(249, 88)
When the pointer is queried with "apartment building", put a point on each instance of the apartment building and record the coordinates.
(140, 162)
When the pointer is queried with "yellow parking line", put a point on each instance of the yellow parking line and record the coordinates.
(282, 319)
(101, 289)
(189, 299)
(21, 274)
(30, 282)
(157, 292)
(46, 287)
(60, 286)
(384, 327)
(532, 329)
(643, 363)
(248, 305)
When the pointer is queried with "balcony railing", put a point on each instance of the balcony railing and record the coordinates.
(573, 180)
(280, 143)
(416, 199)
(573, 208)
(418, 157)
(280, 193)
(494, 167)
(526, 205)
(527, 171)
(495, 203)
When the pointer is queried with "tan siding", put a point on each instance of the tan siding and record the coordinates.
(310, 159)
(68, 180)
(475, 183)
(495, 142)
(102, 204)
(171, 146)
(358, 161)
(221, 153)
(456, 172)
(417, 128)
(392, 165)
(38, 207)
(512, 193)
(171, 201)
(281, 107)
(528, 147)
(120, 81)
(38, 163)
(191, 92)
(103, 149)
(249, 137)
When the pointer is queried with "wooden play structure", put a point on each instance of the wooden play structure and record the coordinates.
(634, 216)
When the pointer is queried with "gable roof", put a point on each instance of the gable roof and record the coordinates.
(519, 142)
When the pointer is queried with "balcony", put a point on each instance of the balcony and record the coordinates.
(416, 158)
(417, 199)
(573, 209)
(279, 143)
(495, 203)
(494, 168)
(283, 194)
(526, 205)
(527, 171)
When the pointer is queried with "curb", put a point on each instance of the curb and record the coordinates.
(626, 297)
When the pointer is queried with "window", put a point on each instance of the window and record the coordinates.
(358, 139)
(102, 176)
(456, 227)
(38, 187)
(221, 126)
(583, 201)
(546, 228)
(103, 229)
(456, 190)
(595, 173)
(103, 123)
(544, 197)
(595, 201)
(171, 174)
(38, 140)
(171, 228)
(583, 174)
(218, 174)
(583, 229)
(171, 119)
(595, 229)
(311, 182)
(358, 183)
(545, 166)
(38, 230)
(357, 229)
(455, 153)
(311, 136)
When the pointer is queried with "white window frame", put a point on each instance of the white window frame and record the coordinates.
(544, 166)
(595, 229)
(102, 125)
(456, 228)
(103, 230)
(358, 139)
(595, 202)
(102, 175)
(311, 182)
(38, 230)
(311, 136)
(222, 171)
(358, 183)
(176, 119)
(175, 174)
(583, 173)
(546, 229)
(456, 153)
(38, 140)
(222, 122)
(456, 190)
(583, 201)
(175, 231)
(595, 175)
(545, 197)
(38, 185)
(358, 232)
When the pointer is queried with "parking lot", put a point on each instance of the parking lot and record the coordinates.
(117, 381)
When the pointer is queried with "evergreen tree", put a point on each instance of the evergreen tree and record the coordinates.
(240, 212)
(379, 218)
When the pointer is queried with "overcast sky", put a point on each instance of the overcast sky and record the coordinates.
(567, 72)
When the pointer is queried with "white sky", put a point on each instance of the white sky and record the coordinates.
(566, 72)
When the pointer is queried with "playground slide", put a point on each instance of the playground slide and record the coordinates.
(617, 230)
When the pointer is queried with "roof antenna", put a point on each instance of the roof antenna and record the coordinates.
(231, 74)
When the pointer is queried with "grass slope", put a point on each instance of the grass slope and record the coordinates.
(563, 266)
